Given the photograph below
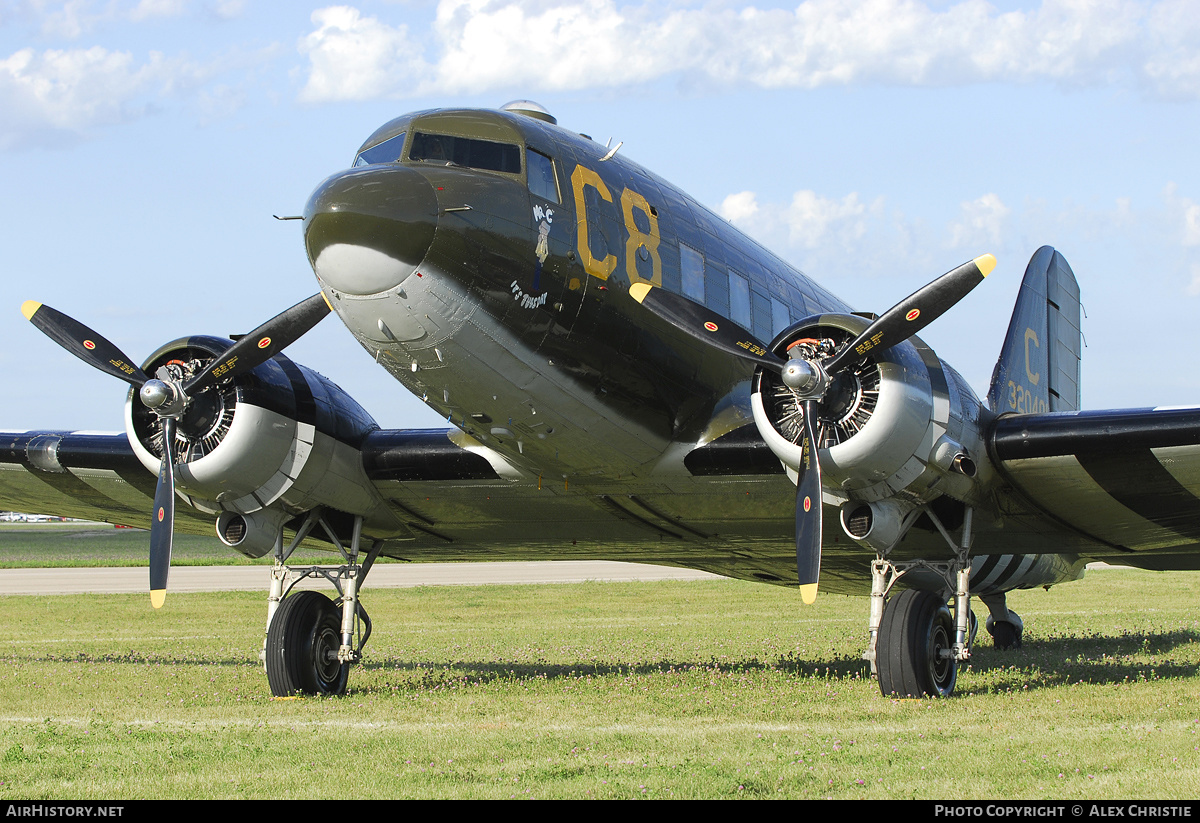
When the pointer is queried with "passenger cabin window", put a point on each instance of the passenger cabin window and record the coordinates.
(739, 300)
(386, 152)
(542, 181)
(466, 151)
(761, 311)
(691, 267)
(781, 318)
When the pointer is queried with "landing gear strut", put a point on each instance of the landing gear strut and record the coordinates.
(916, 642)
(311, 640)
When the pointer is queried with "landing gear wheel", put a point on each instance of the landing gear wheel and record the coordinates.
(302, 647)
(915, 629)
(1004, 634)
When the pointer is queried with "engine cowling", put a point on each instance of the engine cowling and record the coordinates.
(273, 443)
(900, 427)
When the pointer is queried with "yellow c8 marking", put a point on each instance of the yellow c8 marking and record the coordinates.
(631, 202)
(586, 177)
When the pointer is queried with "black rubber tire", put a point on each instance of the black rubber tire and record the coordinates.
(305, 628)
(1005, 635)
(915, 627)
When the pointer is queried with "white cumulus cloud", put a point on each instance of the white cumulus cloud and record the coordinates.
(478, 45)
(65, 91)
(739, 208)
(813, 220)
(834, 228)
(353, 57)
(980, 223)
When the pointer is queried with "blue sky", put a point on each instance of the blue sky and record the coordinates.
(145, 144)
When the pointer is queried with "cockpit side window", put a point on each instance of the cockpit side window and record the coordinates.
(542, 181)
(466, 151)
(386, 152)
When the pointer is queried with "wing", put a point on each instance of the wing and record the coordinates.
(1122, 485)
(86, 475)
(1129, 479)
(453, 499)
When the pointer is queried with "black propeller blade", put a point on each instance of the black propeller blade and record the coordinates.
(262, 344)
(162, 520)
(698, 321)
(82, 342)
(914, 312)
(169, 400)
(808, 509)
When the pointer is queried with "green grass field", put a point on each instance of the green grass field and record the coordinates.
(690, 690)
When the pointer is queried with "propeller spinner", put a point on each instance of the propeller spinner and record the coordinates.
(166, 397)
(811, 379)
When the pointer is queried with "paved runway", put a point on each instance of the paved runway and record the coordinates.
(389, 575)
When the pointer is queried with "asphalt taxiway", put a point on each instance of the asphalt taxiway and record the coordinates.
(130, 580)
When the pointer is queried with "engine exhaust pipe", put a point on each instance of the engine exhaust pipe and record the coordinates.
(876, 525)
(251, 534)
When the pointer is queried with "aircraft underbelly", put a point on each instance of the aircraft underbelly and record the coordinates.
(433, 336)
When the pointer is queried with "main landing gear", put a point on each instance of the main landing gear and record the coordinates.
(311, 640)
(917, 641)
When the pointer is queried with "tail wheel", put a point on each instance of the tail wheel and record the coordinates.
(1005, 635)
(915, 631)
(302, 647)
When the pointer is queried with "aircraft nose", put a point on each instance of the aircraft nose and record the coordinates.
(367, 229)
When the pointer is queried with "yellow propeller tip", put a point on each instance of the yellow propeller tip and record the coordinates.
(638, 291)
(158, 597)
(985, 263)
(29, 308)
(808, 593)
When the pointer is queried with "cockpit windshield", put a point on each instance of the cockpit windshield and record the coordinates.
(386, 152)
(466, 151)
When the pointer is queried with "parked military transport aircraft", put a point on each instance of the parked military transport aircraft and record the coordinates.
(625, 376)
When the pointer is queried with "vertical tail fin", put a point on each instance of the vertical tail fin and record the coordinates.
(1038, 369)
